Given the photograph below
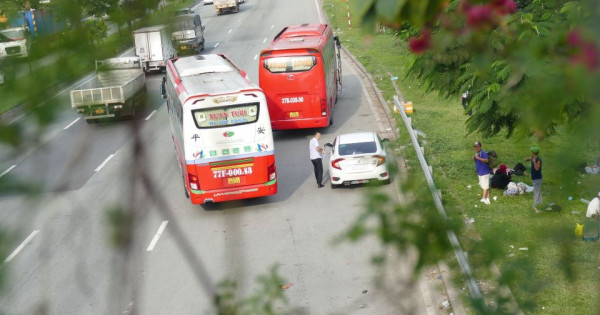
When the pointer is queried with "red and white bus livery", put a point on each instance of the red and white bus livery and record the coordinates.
(301, 73)
(221, 130)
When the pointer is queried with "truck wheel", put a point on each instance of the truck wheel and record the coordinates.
(236, 9)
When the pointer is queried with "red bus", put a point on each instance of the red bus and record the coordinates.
(221, 130)
(301, 74)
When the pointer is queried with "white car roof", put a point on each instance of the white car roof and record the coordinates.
(367, 136)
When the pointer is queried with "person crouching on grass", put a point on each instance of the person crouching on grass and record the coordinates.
(483, 171)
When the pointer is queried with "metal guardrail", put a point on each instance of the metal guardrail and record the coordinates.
(461, 257)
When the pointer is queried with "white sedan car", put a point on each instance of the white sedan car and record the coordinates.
(208, 2)
(358, 158)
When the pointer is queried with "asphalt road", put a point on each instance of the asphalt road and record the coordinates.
(62, 261)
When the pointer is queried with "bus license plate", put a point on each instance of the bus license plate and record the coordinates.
(234, 180)
(294, 114)
(100, 111)
(183, 47)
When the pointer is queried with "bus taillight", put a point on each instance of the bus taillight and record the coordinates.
(271, 172)
(194, 184)
(323, 107)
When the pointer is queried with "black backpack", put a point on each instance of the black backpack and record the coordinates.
(493, 159)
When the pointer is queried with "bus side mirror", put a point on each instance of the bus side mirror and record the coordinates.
(163, 88)
(329, 145)
(337, 41)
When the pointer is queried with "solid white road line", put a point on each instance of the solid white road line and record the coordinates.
(161, 228)
(217, 45)
(104, 163)
(71, 124)
(8, 170)
(18, 249)
(151, 114)
(318, 6)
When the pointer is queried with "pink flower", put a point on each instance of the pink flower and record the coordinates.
(420, 44)
(574, 38)
(479, 15)
(504, 7)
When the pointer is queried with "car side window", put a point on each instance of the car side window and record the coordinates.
(333, 148)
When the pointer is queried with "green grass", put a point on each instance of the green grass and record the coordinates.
(558, 274)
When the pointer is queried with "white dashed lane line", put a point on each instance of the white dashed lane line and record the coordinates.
(161, 229)
(72, 123)
(8, 170)
(151, 114)
(264, 40)
(217, 45)
(20, 248)
(255, 56)
(104, 163)
(229, 32)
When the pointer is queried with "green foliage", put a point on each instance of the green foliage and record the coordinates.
(524, 60)
(267, 299)
(121, 224)
(97, 30)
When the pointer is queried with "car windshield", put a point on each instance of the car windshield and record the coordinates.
(357, 148)
(11, 35)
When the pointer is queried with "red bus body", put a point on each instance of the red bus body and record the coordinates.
(298, 73)
(221, 130)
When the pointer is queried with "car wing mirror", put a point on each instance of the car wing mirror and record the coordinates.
(385, 140)
(329, 145)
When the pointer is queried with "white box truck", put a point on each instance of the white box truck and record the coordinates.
(116, 91)
(154, 47)
(13, 43)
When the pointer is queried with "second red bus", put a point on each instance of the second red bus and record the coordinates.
(300, 73)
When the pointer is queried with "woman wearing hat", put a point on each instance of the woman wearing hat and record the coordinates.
(536, 176)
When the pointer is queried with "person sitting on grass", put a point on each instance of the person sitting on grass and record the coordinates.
(501, 177)
(593, 209)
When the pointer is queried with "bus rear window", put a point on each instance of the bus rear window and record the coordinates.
(290, 64)
(226, 116)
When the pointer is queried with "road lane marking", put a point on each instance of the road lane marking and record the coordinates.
(71, 124)
(228, 32)
(318, 6)
(8, 170)
(272, 26)
(217, 45)
(264, 40)
(104, 163)
(161, 228)
(18, 249)
(255, 56)
(151, 114)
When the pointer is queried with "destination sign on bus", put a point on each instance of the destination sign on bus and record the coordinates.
(226, 116)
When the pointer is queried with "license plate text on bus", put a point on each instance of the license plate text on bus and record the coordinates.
(232, 172)
(292, 100)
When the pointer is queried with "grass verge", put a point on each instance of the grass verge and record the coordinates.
(557, 273)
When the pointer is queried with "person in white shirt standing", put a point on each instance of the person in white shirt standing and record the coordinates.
(316, 154)
(593, 207)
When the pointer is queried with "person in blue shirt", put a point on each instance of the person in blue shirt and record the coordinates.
(483, 171)
(536, 176)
